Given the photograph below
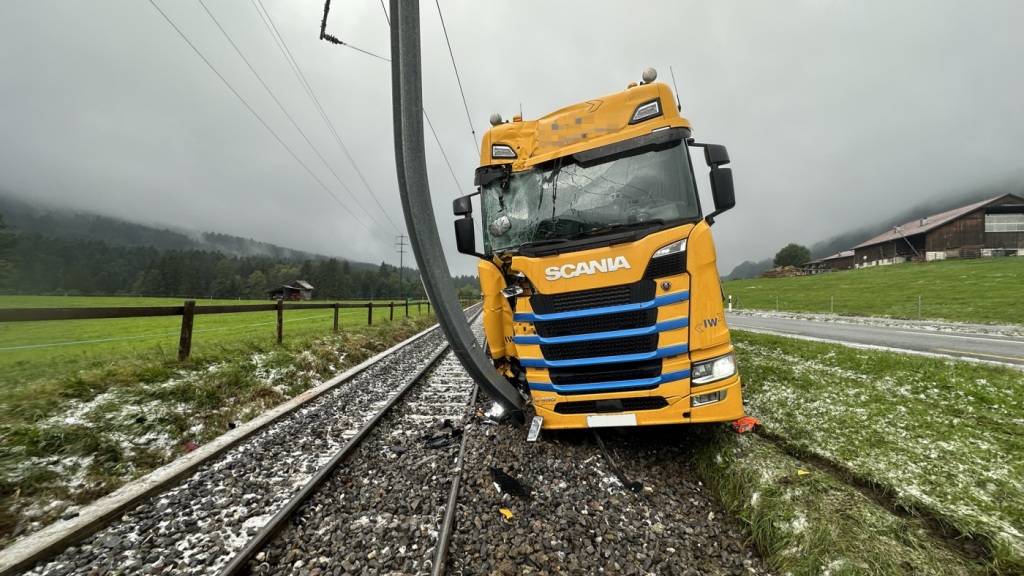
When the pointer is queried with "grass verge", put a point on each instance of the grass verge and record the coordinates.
(806, 522)
(67, 440)
(941, 439)
(985, 290)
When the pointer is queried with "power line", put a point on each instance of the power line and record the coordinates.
(443, 155)
(382, 7)
(284, 110)
(469, 118)
(254, 113)
(268, 23)
(323, 26)
(335, 40)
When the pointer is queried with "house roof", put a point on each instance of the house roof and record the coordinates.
(303, 284)
(836, 256)
(922, 225)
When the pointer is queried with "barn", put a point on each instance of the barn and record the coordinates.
(992, 227)
(838, 261)
(297, 290)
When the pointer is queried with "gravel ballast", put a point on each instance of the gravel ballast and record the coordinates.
(580, 518)
(381, 510)
(195, 527)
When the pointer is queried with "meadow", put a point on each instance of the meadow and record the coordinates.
(33, 350)
(87, 405)
(988, 290)
(872, 462)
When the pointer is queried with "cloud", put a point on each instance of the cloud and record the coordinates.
(835, 113)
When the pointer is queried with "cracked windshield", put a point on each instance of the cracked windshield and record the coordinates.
(564, 200)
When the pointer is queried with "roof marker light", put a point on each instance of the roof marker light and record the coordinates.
(646, 111)
(502, 151)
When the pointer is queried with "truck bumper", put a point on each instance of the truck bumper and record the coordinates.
(678, 411)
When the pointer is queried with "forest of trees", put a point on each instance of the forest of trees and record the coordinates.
(45, 265)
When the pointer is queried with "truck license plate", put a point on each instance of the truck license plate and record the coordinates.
(607, 420)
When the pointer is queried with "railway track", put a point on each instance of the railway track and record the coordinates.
(385, 502)
(198, 525)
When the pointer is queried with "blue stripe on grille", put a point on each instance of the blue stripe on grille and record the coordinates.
(658, 301)
(639, 383)
(659, 327)
(659, 353)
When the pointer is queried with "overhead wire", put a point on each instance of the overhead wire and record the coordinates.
(254, 113)
(465, 105)
(285, 112)
(324, 35)
(430, 125)
(282, 45)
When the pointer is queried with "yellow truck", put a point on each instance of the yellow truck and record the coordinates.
(600, 287)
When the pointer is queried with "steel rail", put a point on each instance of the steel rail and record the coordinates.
(240, 563)
(444, 535)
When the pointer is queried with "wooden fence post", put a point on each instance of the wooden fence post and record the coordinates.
(406, 307)
(419, 307)
(391, 311)
(185, 342)
(280, 321)
(428, 306)
(335, 317)
(369, 313)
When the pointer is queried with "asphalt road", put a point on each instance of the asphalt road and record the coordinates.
(988, 347)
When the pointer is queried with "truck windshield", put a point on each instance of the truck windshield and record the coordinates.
(563, 200)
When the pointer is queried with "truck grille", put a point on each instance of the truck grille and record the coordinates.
(614, 347)
(605, 372)
(666, 266)
(590, 324)
(618, 405)
(596, 298)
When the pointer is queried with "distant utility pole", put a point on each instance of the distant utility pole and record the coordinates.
(400, 247)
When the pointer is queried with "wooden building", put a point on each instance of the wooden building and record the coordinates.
(993, 227)
(839, 261)
(298, 290)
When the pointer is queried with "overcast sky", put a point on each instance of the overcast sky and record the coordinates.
(835, 113)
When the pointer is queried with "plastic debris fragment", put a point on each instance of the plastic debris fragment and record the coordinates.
(506, 513)
(534, 432)
(510, 485)
(745, 424)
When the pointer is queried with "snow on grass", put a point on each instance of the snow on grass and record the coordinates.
(804, 521)
(945, 436)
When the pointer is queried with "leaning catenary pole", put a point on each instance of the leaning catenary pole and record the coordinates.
(407, 104)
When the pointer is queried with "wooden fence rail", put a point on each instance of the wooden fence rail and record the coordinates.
(189, 310)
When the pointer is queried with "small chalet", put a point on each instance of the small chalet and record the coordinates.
(298, 290)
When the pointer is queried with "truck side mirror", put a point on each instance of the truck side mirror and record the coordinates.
(716, 155)
(465, 235)
(463, 205)
(722, 190)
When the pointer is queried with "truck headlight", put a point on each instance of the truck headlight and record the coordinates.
(713, 370)
(673, 248)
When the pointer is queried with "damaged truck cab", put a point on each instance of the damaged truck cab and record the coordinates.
(601, 292)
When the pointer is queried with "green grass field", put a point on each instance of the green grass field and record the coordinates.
(33, 350)
(981, 291)
(941, 439)
(87, 405)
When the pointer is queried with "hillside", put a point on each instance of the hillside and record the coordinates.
(58, 251)
(25, 217)
(986, 290)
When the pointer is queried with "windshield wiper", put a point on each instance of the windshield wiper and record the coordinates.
(619, 227)
(544, 242)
